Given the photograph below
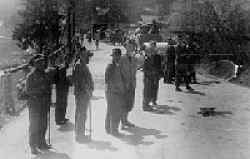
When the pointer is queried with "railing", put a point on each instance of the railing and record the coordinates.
(9, 78)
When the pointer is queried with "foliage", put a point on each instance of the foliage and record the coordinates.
(218, 26)
(40, 27)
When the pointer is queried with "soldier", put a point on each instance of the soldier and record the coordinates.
(115, 91)
(38, 89)
(62, 88)
(128, 68)
(84, 86)
(181, 67)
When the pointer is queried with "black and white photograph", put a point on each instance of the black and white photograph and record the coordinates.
(124, 79)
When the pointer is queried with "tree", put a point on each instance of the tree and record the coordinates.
(108, 11)
(40, 26)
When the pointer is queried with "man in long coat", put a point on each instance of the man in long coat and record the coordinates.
(84, 86)
(129, 67)
(38, 90)
(115, 91)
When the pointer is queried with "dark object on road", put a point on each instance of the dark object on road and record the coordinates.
(210, 111)
(207, 111)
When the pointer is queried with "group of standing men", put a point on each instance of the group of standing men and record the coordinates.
(38, 89)
(178, 67)
(120, 84)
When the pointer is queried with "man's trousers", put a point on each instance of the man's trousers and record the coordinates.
(181, 72)
(150, 91)
(61, 104)
(38, 120)
(82, 103)
(115, 106)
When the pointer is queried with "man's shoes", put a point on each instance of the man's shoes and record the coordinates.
(35, 151)
(178, 89)
(148, 108)
(124, 127)
(195, 82)
(129, 124)
(154, 103)
(45, 147)
(116, 134)
(82, 139)
(108, 131)
(66, 120)
(60, 122)
(189, 88)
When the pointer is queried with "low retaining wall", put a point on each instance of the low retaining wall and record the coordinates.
(8, 94)
(224, 69)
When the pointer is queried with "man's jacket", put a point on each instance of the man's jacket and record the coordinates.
(128, 68)
(114, 80)
(82, 79)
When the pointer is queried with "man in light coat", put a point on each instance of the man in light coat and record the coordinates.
(128, 68)
(84, 86)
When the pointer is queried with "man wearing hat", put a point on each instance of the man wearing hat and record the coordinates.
(38, 89)
(115, 91)
(83, 88)
(129, 66)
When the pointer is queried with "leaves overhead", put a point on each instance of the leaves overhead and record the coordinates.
(40, 26)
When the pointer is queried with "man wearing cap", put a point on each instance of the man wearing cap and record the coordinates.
(38, 89)
(151, 77)
(129, 66)
(84, 86)
(115, 91)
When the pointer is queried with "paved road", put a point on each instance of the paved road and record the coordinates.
(175, 131)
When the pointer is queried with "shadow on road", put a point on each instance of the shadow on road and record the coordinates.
(165, 109)
(196, 92)
(222, 113)
(69, 126)
(138, 134)
(97, 97)
(52, 155)
(101, 145)
(216, 113)
(207, 83)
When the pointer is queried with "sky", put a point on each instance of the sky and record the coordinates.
(8, 7)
